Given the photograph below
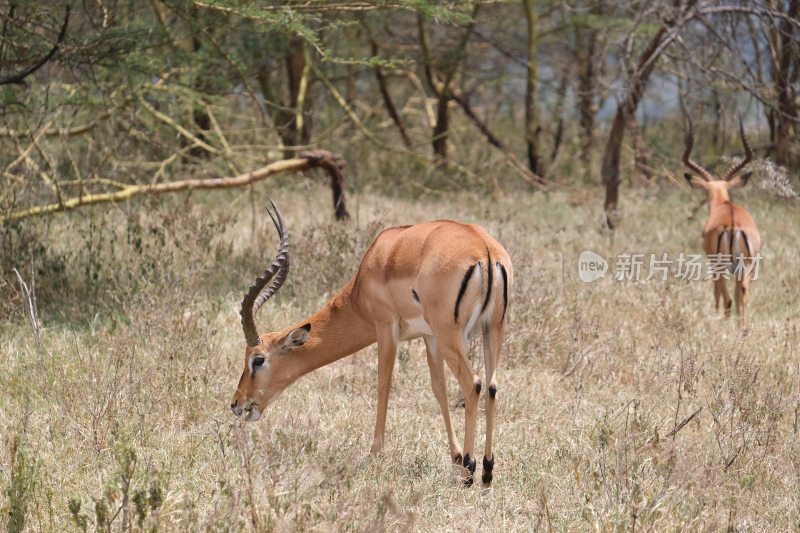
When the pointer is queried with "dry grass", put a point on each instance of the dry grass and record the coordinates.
(141, 351)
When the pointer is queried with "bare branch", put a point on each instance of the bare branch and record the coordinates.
(321, 158)
(20, 77)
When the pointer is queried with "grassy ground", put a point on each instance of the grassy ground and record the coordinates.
(121, 416)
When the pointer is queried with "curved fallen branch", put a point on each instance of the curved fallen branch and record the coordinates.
(331, 162)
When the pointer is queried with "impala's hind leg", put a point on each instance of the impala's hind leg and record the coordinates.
(492, 342)
(454, 353)
(742, 297)
(721, 289)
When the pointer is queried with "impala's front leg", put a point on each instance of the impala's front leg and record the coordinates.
(387, 350)
(439, 386)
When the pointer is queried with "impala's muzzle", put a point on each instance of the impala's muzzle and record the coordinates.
(249, 409)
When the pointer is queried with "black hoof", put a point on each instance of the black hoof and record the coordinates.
(488, 466)
(469, 464)
(458, 460)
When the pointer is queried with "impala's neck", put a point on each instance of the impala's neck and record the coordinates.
(337, 330)
(717, 196)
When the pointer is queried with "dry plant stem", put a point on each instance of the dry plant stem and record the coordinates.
(310, 159)
(29, 292)
(683, 423)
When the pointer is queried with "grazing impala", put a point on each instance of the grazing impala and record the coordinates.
(729, 232)
(443, 281)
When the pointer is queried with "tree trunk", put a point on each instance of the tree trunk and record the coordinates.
(443, 85)
(586, 43)
(785, 77)
(297, 67)
(558, 111)
(531, 116)
(440, 130)
(640, 162)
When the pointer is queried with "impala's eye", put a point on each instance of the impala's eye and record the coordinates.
(258, 361)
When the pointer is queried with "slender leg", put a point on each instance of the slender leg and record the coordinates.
(492, 342)
(742, 297)
(455, 356)
(387, 350)
(436, 367)
(720, 285)
(717, 295)
(737, 295)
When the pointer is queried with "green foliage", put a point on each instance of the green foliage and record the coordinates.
(130, 492)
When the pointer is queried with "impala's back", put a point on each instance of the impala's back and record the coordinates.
(439, 273)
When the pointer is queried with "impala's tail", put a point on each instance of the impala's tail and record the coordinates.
(493, 279)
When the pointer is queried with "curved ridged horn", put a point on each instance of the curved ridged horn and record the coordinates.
(257, 294)
(705, 174)
(748, 155)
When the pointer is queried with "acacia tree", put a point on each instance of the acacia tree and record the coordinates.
(440, 73)
(637, 75)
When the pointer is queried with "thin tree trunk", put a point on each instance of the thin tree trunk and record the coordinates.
(297, 67)
(637, 82)
(558, 111)
(443, 88)
(784, 72)
(531, 116)
(441, 129)
(640, 162)
(586, 43)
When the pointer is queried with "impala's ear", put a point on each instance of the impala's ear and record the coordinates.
(696, 182)
(739, 181)
(295, 338)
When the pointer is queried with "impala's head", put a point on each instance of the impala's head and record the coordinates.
(267, 369)
(717, 188)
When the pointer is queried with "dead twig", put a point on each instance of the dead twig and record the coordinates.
(683, 423)
(29, 292)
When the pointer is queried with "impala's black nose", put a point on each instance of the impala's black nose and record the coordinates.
(235, 408)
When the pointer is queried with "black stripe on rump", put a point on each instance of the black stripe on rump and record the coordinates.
(505, 288)
(731, 242)
(719, 238)
(746, 243)
(489, 287)
(463, 289)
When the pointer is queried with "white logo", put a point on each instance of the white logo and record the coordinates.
(591, 266)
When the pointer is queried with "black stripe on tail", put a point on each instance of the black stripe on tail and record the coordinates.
(489, 285)
(505, 288)
(463, 289)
